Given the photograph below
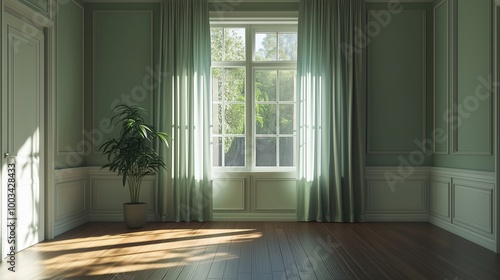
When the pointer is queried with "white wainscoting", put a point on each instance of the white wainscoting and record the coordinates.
(229, 194)
(460, 201)
(107, 195)
(397, 194)
(262, 196)
(440, 197)
(71, 197)
(463, 202)
(274, 195)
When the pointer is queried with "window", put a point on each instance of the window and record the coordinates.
(253, 95)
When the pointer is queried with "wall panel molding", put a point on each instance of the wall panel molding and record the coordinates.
(466, 78)
(396, 194)
(470, 197)
(79, 146)
(481, 176)
(71, 199)
(441, 197)
(274, 195)
(473, 206)
(41, 6)
(257, 196)
(230, 194)
(384, 85)
(68, 194)
(441, 79)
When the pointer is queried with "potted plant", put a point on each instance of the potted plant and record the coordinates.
(132, 156)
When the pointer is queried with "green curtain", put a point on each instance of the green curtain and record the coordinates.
(185, 192)
(331, 111)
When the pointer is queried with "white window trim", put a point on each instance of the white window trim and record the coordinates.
(252, 26)
(251, 17)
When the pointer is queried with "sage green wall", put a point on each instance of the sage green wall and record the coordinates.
(122, 55)
(458, 35)
(71, 144)
(442, 85)
(463, 104)
(399, 83)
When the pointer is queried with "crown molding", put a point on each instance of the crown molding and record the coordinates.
(121, 1)
(400, 1)
(248, 1)
(210, 1)
(253, 1)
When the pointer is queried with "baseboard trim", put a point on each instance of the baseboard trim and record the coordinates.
(396, 217)
(118, 217)
(489, 244)
(74, 222)
(247, 217)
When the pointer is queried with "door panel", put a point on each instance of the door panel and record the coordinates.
(24, 96)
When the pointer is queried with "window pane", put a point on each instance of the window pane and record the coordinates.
(228, 84)
(265, 118)
(265, 85)
(217, 84)
(287, 85)
(234, 84)
(216, 38)
(234, 119)
(286, 151)
(287, 46)
(234, 151)
(217, 119)
(266, 151)
(265, 46)
(286, 118)
(234, 44)
(217, 151)
(228, 44)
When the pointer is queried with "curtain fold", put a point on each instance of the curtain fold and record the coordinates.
(184, 105)
(331, 111)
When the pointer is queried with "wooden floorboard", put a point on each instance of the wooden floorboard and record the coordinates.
(256, 250)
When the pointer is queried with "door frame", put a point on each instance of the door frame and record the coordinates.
(496, 113)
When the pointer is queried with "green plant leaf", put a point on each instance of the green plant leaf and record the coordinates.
(131, 155)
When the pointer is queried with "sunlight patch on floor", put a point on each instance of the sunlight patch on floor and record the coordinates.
(139, 251)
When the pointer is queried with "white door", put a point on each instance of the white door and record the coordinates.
(22, 131)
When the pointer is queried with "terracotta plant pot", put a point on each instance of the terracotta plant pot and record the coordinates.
(135, 214)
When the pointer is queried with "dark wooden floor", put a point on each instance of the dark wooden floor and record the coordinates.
(251, 250)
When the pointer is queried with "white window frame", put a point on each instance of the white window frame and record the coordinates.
(251, 27)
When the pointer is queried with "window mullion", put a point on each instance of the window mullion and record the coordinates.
(278, 129)
(223, 117)
(250, 96)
